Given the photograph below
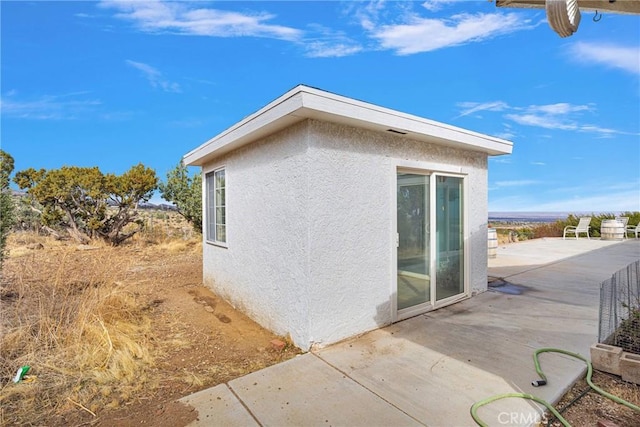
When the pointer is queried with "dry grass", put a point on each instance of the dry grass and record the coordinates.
(510, 233)
(66, 314)
(164, 227)
(553, 229)
(106, 330)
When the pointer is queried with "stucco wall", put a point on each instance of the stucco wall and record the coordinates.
(352, 234)
(263, 270)
(310, 228)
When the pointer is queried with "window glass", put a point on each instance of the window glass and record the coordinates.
(216, 206)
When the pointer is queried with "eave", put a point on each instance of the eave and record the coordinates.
(303, 102)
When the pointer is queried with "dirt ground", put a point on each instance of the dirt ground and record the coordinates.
(592, 407)
(198, 339)
(218, 343)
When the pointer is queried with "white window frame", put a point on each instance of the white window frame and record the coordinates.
(212, 223)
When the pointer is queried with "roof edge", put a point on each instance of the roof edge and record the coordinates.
(304, 102)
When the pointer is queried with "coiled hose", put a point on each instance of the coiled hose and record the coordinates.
(543, 381)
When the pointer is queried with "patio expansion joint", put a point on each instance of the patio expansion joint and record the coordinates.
(367, 388)
(244, 405)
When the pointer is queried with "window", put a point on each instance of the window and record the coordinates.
(216, 206)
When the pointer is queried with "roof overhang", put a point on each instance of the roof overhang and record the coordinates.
(618, 6)
(303, 102)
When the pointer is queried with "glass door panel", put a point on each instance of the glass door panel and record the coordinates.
(449, 237)
(413, 240)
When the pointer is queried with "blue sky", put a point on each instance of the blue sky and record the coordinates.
(111, 84)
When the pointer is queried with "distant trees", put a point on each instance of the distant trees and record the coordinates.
(6, 203)
(186, 193)
(87, 203)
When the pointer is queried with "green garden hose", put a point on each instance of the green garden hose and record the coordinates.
(543, 381)
(476, 418)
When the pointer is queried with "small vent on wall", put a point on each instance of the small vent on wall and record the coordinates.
(399, 132)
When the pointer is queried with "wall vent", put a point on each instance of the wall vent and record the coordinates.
(399, 132)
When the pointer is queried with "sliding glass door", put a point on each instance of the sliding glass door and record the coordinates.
(450, 237)
(430, 266)
(413, 240)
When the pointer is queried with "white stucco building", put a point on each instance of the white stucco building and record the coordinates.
(325, 217)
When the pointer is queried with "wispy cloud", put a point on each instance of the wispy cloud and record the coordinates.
(48, 107)
(538, 163)
(436, 5)
(542, 120)
(505, 135)
(420, 34)
(323, 42)
(389, 25)
(561, 117)
(186, 19)
(516, 183)
(501, 159)
(325, 49)
(155, 77)
(625, 58)
(559, 108)
(558, 116)
(475, 107)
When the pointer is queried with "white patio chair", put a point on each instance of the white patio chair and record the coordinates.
(635, 229)
(582, 227)
(624, 220)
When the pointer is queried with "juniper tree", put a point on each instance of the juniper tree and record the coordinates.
(89, 204)
(186, 193)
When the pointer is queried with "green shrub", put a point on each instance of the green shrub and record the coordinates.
(525, 233)
(634, 217)
(596, 221)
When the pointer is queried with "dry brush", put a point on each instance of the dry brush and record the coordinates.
(66, 314)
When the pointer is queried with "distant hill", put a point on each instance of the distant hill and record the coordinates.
(537, 216)
(527, 216)
(148, 205)
(161, 206)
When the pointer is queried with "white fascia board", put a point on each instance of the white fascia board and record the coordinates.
(304, 102)
(335, 108)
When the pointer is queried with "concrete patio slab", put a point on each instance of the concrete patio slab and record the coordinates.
(305, 391)
(217, 406)
(435, 387)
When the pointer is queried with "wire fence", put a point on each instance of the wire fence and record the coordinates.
(620, 309)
